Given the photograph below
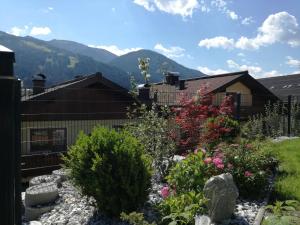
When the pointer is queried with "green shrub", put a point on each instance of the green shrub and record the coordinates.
(188, 174)
(111, 167)
(135, 218)
(182, 209)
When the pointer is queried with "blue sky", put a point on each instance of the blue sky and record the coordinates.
(213, 36)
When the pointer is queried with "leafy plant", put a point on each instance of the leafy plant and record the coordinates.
(111, 167)
(151, 127)
(279, 207)
(181, 209)
(135, 218)
(188, 174)
(144, 68)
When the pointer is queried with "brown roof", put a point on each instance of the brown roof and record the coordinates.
(171, 94)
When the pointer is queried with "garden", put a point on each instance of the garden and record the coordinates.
(183, 165)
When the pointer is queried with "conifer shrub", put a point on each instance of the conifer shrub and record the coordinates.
(112, 168)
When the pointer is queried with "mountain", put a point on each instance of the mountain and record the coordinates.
(36, 56)
(97, 54)
(158, 63)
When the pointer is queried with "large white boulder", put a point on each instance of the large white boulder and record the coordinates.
(44, 179)
(221, 193)
(33, 213)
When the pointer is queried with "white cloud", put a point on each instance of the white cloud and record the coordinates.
(281, 27)
(40, 31)
(232, 15)
(217, 42)
(292, 62)
(209, 71)
(296, 72)
(241, 54)
(115, 49)
(255, 71)
(183, 8)
(247, 20)
(172, 52)
(18, 31)
(148, 5)
(50, 8)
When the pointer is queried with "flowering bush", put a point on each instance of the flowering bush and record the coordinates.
(249, 166)
(196, 118)
(144, 68)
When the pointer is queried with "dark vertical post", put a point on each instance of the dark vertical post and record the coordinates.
(289, 108)
(238, 106)
(10, 203)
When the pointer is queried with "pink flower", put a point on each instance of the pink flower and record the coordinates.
(208, 160)
(217, 161)
(248, 174)
(203, 151)
(196, 151)
(165, 192)
(249, 146)
(220, 166)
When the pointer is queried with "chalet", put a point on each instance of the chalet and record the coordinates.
(53, 117)
(283, 86)
(253, 95)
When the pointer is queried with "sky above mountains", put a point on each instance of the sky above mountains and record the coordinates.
(214, 36)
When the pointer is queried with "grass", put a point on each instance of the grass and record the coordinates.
(287, 185)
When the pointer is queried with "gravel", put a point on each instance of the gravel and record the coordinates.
(72, 208)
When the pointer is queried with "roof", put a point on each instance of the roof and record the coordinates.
(283, 86)
(80, 82)
(215, 83)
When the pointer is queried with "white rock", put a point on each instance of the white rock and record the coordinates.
(221, 193)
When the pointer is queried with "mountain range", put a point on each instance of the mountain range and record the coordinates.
(61, 60)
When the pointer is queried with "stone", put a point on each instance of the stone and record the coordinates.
(62, 173)
(202, 220)
(45, 179)
(33, 213)
(222, 194)
(41, 194)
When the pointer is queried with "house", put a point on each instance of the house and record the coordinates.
(53, 117)
(253, 95)
(283, 86)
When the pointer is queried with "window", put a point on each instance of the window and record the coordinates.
(48, 139)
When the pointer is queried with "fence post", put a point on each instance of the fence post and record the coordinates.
(10, 196)
(289, 108)
(238, 106)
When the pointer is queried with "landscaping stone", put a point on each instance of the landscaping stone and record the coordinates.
(202, 220)
(41, 194)
(222, 194)
(62, 173)
(44, 179)
(32, 213)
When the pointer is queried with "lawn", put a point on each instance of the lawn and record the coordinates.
(287, 184)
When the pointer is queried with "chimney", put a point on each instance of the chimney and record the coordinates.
(39, 82)
(181, 84)
(7, 59)
(172, 78)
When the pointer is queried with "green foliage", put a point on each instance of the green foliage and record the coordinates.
(279, 207)
(111, 167)
(265, 125)
(152, 128)
(281, 220)
(135, 218)
(188, 174)
(181, 209)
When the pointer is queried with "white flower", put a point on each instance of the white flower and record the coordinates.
(148, 75)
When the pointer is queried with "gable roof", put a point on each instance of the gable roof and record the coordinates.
(283, 86)
(80, 82)
(216, 83)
